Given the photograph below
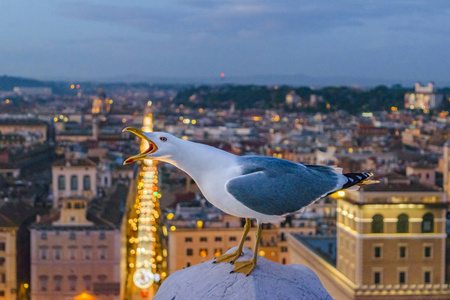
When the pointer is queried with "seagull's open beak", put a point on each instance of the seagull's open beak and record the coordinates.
(152, 146)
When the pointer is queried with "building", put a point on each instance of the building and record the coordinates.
(8, 255)
(424, 97)
(101, 104)
(198, 232)
(72, 256)
(390, 243)
(32, 130)
(75, 177)
(425, 173)
(33, 91)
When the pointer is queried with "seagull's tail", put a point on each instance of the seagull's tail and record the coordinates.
(355, 180)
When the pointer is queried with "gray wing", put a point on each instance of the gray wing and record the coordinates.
(274, 186)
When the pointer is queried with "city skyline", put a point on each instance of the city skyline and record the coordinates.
(201, 39)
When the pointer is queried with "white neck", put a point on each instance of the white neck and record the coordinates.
(195, 158)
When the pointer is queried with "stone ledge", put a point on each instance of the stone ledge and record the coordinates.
(269, 280)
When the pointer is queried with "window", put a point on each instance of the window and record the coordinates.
(427, 251)
(57, 279)
(2, 277)
(87, 279)
(376, 278)
(402, 277)
(102, 235)
(72, 282)
(43, 235)
(284, 249)
(427, 277)
(203, 252)
(377, 252)
(57, 252)
(188, 264)
(188, 240)
(428, 223)
(402, 251)
(43, 253)
(86, 183)
(232, 238)
(2, 293)
(43, 282)
(218, 239)
(284, 261)
(102, 252)
(189, 252)
(87, 252)
(61, 183)
(72, 236)
(377, 224)
(402, 223)
(217, 251)
(72, 252)
(2, 261)
(247, 238)
(74, 183)
(203, 239)
(2, 246)
(102, 278)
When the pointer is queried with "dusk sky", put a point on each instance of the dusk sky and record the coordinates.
(99, 39)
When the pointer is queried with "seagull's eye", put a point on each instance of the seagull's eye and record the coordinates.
(163, 139)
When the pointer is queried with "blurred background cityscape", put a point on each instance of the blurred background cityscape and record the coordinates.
(77, 224)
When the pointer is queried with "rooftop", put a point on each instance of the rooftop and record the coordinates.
(394, 182)
(74, 162)
(324, 246)
(45, 223)
(23, 122)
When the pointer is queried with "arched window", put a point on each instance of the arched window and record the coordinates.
(86, 183)
(377, 224)
(428, 223)
(403, 223)
(74, 183)
(61, 183)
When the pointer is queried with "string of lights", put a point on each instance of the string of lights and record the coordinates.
(147, 245)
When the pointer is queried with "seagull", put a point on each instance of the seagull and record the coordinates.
(252, 187)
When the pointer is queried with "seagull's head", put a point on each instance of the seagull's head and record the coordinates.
(161, 145)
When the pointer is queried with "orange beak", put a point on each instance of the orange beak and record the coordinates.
(152, 146)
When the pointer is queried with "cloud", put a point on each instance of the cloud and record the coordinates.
(232, 17)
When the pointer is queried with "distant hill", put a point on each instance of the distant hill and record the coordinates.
(7, 83)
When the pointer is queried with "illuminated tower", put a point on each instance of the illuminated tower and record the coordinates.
(147, 252)
(101, 104)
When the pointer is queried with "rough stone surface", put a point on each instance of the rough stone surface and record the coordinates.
(269, 280)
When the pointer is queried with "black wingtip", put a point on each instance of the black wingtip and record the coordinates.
(355, 178)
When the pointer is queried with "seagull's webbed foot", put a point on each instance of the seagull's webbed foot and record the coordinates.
(228, 257)
(244, 267)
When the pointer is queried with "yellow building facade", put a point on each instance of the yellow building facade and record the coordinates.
(390, 243)
(191, 246)
(8, 256)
